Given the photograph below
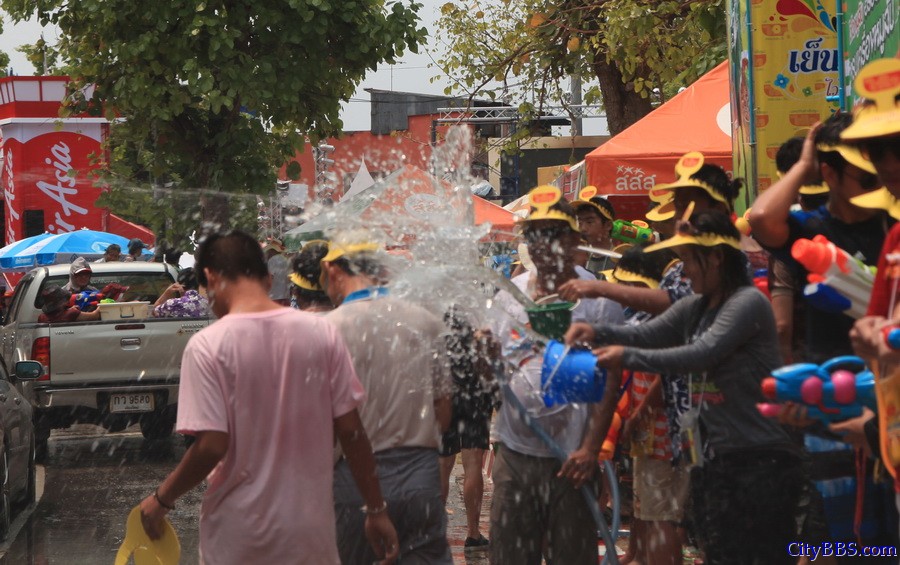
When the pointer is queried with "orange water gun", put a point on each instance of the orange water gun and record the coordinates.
(623, 410)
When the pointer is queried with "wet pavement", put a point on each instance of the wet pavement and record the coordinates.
(92, 479)
(91, 482)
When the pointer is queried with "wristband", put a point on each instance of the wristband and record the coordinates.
(372, 511)
(159, 500)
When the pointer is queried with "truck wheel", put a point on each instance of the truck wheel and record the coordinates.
(156, 425)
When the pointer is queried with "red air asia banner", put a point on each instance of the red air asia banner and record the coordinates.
(46, 169)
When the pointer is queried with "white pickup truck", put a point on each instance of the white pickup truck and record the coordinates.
(110, 372)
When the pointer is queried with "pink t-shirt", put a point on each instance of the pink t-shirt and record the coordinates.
(274, 381)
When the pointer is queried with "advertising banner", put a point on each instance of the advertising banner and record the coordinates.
(46, 186)
(871, 31)
(784, 62)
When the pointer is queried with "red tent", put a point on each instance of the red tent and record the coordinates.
(696, 119)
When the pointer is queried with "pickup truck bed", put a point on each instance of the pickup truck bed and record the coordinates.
(108, 372)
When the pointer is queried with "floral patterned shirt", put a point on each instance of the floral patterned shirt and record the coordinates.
(191, 305)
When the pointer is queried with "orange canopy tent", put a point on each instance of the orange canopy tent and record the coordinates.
(409, 198)
(696, 119)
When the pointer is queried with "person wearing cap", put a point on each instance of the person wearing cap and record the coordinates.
(79, 277)
(266, 391)
(876, 132)
(112, 254)
(537, 503)
(399, 355)
(278, 270)
(307, 293)
(595, 221)
(748, 479)
(858, 231)
(660, 477)
(135, 249)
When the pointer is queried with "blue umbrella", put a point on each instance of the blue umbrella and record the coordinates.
(54, 249)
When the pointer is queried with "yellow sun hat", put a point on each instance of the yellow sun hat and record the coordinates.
(688, 165)
(663, 211)
(880, 199)
(336, 251)
(304, 282)
(879, 83)
(542, 200)
(624, 275)
(138, 545)
(587, 198)
(609, 275)
(850, 154)
(813, 189)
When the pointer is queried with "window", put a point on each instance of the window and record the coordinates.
(143, 287)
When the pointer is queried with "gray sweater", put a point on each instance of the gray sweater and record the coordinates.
(736, 345)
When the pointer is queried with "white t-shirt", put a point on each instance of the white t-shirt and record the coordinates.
(565, 423)
(274, 381)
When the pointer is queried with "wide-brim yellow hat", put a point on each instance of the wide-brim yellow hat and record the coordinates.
(336, 251)
(813, 189)
(542, 199)
(880, 199)
(688, 165)
(705, 240)
(585, 197)
(624, 275)
(850, 154)
(609, 275)
(879, 83)
(665, 211)
(138, 545)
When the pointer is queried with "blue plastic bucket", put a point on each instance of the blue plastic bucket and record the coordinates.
(578, 379)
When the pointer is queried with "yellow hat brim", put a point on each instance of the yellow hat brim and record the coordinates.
(850, 154)
(578, 204)
(704, 241)
(688, 183)
(335, 251)
(627, 276)
(811, 189)
(555, 215)
(869, 123)
(880, 199)
(662, 212)
(609, 275)
(166, 550)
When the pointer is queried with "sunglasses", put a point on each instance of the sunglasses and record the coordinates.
(866, 181)
(877, 149)
(547, 234)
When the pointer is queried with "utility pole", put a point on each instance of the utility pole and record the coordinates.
(575, 87)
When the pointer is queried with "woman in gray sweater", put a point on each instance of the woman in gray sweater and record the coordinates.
(747, 477)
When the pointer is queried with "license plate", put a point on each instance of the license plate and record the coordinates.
(137, 402)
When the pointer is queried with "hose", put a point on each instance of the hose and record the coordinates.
(609, 536)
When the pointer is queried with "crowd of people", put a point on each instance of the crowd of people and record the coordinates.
(327, 430)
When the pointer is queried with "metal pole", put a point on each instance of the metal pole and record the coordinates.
(575, 87)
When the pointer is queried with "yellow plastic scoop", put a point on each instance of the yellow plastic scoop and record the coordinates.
(138, 545)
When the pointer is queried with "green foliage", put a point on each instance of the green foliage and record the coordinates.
(45, 58)
(218, 94)
(523, 50)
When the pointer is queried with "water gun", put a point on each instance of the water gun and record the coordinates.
(761, 281)
(848, 280)
(86, 300)
(632, 232)
(612, 436)
(830, 392)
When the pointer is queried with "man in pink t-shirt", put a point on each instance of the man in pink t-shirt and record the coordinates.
(265, 390)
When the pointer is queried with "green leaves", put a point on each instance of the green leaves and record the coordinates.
(215, 94)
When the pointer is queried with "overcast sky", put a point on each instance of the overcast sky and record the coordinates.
(412, 74)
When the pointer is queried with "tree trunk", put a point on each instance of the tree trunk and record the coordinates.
(623, 106)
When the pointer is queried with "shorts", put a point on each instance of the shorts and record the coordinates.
(469, 427)
(660, 490)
